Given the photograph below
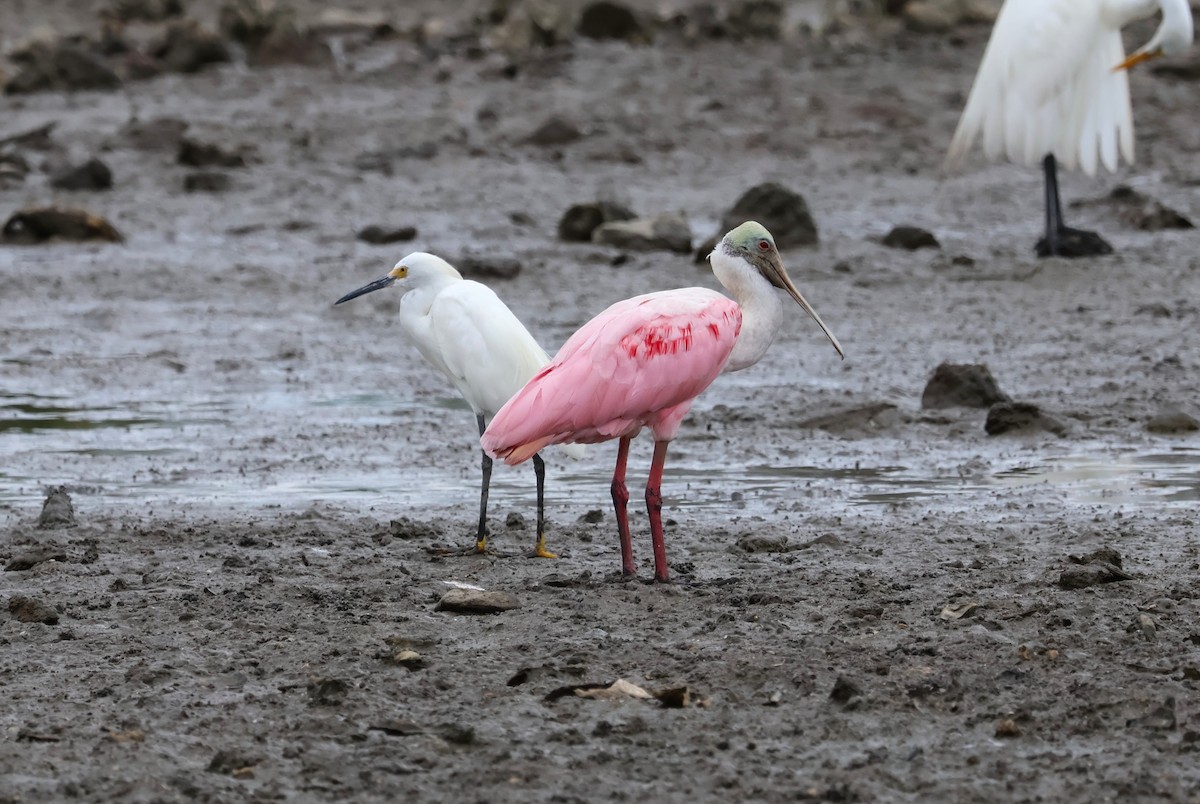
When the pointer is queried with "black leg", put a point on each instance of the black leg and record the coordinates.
(539, 468)
(481, 535)
(1061, 240)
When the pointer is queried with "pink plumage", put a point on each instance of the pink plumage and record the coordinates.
(640, 363)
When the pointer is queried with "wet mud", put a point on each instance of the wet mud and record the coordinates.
(872, 600)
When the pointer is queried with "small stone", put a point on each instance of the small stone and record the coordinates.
(910, 238)
(188, 47)
(514, 520)
(844, 690)
(488, 267)
(753, 543)
(592, 517)
(1093, 574)
(159, 134)
(230, 762)
(327, 691)
(28, 610)
(609, 20)
(580, 220)
(31, 559)
(57, 510)
(474, 601)
(967, 385)
(61, 65)
(862, 421)
(1173, 423)
(206, 181)
(380, 235)
(557, 130)
(669, 232)
(91, 175)
(755, 19)
(203, 154)
(1007, 728)
(1007, 417)
(147, 10)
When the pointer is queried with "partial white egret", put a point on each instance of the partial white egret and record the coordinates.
(1053, 86)
(463, 329)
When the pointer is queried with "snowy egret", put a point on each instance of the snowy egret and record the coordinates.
(643, 361)
(1053, 86)
(463, 329)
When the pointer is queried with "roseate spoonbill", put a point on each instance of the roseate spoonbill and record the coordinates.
(1053, 86)
(463, 329)
(643, 361)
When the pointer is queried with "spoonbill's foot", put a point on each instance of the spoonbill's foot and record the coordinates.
(539, 550)
(1068, 242)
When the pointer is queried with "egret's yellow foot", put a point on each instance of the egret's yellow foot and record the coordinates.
(540, 551)
(481, 544)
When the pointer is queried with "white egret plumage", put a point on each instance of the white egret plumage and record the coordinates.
(1053, 86)
(464, 330)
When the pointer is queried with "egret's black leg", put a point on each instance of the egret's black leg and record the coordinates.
(1061, 240)
(481, 535)
(539, 468)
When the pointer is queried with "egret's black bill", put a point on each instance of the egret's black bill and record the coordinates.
(378, 284)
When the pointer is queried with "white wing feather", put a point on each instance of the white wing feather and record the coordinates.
(1047, 85)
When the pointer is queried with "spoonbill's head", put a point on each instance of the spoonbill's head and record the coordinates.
(415, 270)
(752, 243)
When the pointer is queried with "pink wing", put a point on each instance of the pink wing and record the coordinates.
(639, 363)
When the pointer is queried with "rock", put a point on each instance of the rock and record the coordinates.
(669, 232)
(379, 235)
(60, 65)
(755, 19)
(1173, 423)
(966, 385)
(28, 610)
(476, 601)
(327, 691)
(753, 543)
(1138, 210)
(488, 267)
(844, 690)
(203, 154)
(271, 34)
(529, 24)
(1008, 417)
(91, 175)
(31, 559)
(146, 10)
(861, 421)
(231, 761)
(1008, 728)
(783, 212)
(1093, 574)
(206, 181)
(39, 139)
(1104, 555)
(580, 220)
(159, 134)
(609, 20)
(57, 510)
(188, 47)
(39, 224)
(556, 130)
(910, 238)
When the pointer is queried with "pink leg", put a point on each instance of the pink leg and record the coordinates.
(654, 507)
(620, 495)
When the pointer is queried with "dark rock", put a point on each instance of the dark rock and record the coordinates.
(556, 130)
(203, 154)
(206, 181)
(28, 610)
(39, 139)
(965, 385)
(42, 223)
(475, 601)
(1104, 555)
(229, 761)
(910, 238)
(61, 65)
(783, 212)
(844, 690)
(857, 421)
(57, 510)
(754, 543)
(755, 19)
(1173, 422)
(1093, 574)
(271, 34)
(580, 220)
(1008, 417)
(488, 267)
(188, 47)
(146, 10)
(668, 232)
(91, 175)
(592, 517)
(609, 20)
(1138, 210)
(159, 134)
(379, 235)
(31, 559)
(327, 692)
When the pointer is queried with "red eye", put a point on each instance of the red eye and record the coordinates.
(763, 245)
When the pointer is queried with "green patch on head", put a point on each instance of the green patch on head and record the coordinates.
(746, 235)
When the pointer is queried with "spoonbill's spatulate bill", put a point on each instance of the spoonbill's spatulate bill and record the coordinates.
(642, 362)
(1053, 87)
(463, 329)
